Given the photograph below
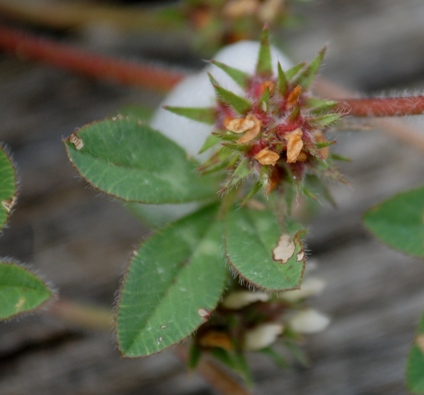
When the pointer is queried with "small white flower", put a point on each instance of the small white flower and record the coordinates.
(262, 336)
(310, 287)
(239, 299)
(308, 321)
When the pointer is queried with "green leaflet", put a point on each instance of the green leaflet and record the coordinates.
(131, 161)
(251, 240)
(7, 187)
(399, 222)
(20, 290)
(174, 279)
(415, 368)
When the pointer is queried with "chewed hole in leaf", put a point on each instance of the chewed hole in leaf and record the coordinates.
(8, 204)
(77, 142)
(285, 249)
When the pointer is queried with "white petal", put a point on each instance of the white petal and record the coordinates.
(239, 299)
(308, 321)
(262, 336)
(310, 287)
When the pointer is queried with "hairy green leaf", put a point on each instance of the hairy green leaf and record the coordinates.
(7, 187)
(399, 222)
(415, 368)
(131, 161)
(261, 253)
(20, 290)
(174, 280)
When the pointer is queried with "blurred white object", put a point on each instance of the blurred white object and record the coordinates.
(308, 321)
(310, 287)
(239, 299)
(262, 336)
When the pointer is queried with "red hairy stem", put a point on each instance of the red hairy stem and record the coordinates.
(398, 129)
(97, 66)
(382, 107)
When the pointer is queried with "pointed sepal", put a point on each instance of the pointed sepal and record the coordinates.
(264, 64)
(200, 114)
(242, 171)
(238, 76)
(325, 120)
(320, 106)
(238, 103)
(210, 142)
(290, 73)
(282, 80)
(308, 75)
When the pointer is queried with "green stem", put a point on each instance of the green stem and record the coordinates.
(82, 316)
(101, 318)
(97, 66)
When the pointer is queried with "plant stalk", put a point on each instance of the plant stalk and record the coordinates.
(81, 315)
(382, 107)
(102, 67)
(394, 127)
(215, 376)
(100, 318)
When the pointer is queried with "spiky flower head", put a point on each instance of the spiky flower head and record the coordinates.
(273, 132)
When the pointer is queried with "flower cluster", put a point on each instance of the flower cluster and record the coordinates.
(255, 321)
(274, 130)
